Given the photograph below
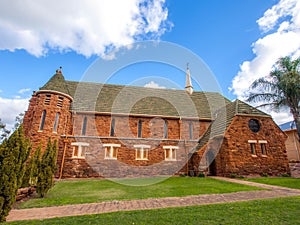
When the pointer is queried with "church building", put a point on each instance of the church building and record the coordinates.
(115, 131)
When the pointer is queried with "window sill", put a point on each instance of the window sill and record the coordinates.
(174, 160)
(75, 157)
(142, 159)
(265, 156)
(40, 131)
(254, 156)
(110, 158)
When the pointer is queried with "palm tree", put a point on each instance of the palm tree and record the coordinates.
(281, 88)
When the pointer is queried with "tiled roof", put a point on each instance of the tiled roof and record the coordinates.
(56, 83)
(224, 117)
(95, 97)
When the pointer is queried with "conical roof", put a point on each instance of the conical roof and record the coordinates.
(56, 83)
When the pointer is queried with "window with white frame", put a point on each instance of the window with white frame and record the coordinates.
(141, 152)
(263, 147)
(79, 149)
(111, 151)
(252, 147)
(170, 152)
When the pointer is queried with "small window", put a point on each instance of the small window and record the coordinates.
(191, 130)
(112, 128)
(84, 124)
(140, 127)
(47, 100)
(141, 152)
(56, 122)
(252, 148)
(43, 120)
(79, 149)
(166, 129)
(111, 151)
(263, 147)
(170, 153)
(60, 101)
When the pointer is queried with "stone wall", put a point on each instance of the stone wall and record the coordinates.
(126, 165)
(52, 103)
(233, 154)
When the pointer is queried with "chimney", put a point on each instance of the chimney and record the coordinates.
(188, 82)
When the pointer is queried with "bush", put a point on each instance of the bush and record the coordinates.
(46, 169)
(14, 152)
(201, 175)
(233, 175)
(264, 175)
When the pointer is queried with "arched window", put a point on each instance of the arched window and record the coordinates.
(83, 131)
(112, 127)
(43, 120)
(56, 122)
(191, 130)
(140, 123)
(166, 129)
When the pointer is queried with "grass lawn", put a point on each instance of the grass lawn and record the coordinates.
(93, 190)
(271, 211)
(279, 181)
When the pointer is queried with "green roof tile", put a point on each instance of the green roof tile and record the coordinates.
(56, 83)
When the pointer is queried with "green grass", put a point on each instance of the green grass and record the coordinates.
(282, 181)
(271, 211)
(87, 191)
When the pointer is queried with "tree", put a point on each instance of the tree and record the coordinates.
(4, 133)
(47, 169)
(281, 88)
(14, 152)
(32, 166)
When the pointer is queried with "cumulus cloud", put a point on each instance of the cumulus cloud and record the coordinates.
(10, 108)
(152, 84)
(86, 27)
(281, 37)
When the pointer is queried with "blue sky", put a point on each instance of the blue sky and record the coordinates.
(239, 40)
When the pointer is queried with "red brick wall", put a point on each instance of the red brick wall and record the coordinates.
(234, 156)
(32, 118)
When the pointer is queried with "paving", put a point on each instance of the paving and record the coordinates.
(153, 203)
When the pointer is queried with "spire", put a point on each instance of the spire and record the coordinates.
(188, 82)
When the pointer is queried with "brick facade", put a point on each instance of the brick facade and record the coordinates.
(140, 144)
(233, 154)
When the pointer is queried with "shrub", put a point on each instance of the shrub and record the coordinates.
(46, 169)
(201, 175)
(14, 152)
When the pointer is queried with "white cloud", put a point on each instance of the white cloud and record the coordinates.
(282, 23)
(10, 108)
(24, 90)
(152, 84)
(87, 27)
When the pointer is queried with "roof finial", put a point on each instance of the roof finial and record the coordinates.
(188, 82)
(59, 71)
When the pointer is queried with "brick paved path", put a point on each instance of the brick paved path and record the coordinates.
(153, 203)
